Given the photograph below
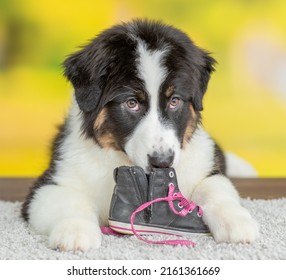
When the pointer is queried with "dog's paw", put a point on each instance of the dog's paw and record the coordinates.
(74, 235)
(234, 226)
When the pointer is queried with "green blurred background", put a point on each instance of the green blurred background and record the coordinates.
(245, 103)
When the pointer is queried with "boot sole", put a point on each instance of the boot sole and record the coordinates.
(125, 228)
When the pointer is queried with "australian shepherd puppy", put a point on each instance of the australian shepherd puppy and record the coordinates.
(138, 90)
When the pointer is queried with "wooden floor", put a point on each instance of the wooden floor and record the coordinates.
(16, 189)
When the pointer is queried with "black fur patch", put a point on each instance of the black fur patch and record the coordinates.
(219, 166)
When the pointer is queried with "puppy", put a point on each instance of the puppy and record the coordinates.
(138, 90)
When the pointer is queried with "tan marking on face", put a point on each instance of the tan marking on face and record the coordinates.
(141, 95)
(169, 91)
(104, 137)
(106, 140)
(100, 119)
(191, 126)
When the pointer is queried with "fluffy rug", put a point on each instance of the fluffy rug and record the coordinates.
(19, 242)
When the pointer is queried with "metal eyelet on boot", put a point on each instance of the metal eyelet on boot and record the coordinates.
(171, 174)
(199, 215)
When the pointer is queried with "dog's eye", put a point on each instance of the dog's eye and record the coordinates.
(174, 102)
(133, 105)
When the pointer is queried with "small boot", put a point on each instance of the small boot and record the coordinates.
(152, 204)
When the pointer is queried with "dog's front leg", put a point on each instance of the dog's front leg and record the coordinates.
(227, 220)
(67, 215)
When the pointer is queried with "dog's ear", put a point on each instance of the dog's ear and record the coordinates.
(206, 67)
(86, 70)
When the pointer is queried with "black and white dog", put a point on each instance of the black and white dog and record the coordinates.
(138, 96)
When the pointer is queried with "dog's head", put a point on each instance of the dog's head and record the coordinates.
(140, 87)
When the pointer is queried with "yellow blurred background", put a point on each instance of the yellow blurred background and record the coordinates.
(245, 106)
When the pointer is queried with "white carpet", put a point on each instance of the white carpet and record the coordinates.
(18, 242)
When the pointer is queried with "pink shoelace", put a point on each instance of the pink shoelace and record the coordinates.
(187, 207)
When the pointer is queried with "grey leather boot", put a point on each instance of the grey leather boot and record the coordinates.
(156, 198)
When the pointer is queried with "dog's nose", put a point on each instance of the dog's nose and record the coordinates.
(161, 161)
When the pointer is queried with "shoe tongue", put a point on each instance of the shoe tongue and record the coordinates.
(159, 181)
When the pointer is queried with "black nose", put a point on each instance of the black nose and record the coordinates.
(161, 161)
